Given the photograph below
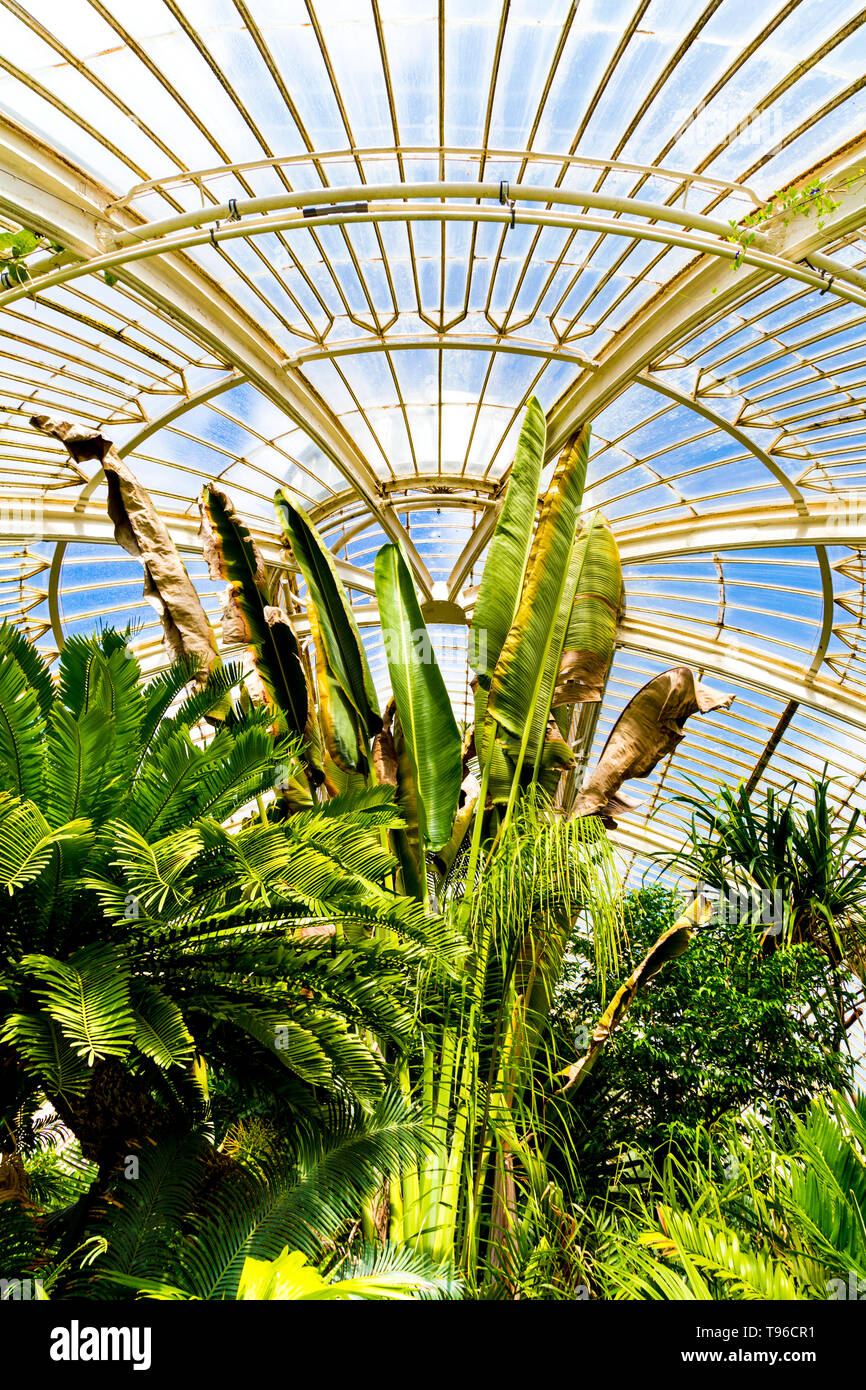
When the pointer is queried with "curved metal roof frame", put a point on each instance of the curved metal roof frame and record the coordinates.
(334, 288)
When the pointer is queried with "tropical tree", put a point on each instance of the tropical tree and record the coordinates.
(482, 839)
(723, 1027)
(155, 915)
(796, 868)
(495, 833)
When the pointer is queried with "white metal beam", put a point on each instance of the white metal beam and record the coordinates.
(66, 522)
(46, 193)
(702, 291)
(831, 521)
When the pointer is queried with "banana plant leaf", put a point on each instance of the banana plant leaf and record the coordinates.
(432, 737)
(345, 736)
(589, 640)
(672, 943)
(502, 765)
(522, 685)
(392, 765)
(140, 530)
(350, 711)
(504, 569)
(649, 728)
(248, 616)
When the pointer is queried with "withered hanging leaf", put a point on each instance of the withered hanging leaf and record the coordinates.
(393, 766)
(672, 943)
(649, 728)
(384, 755)
(249, 618)
(139, 528)
(523, 680)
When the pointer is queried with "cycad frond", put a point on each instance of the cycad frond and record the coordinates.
(705, 1248)
(28, 843)
(165, 794)
(246, 770)
(152, 874)
(22, 730)
(398, 1271)
(160, 1031)
(142, 1219)
(87, 996)
(301, 1202)
(78, 765)
(45, 1053)
(35, 669)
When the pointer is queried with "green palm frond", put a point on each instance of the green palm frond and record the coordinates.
(300, 1202)
(166, 791)
(28, 843)
(295, 1047)
(78, 765)
(160, 1030)
(21, 1244)
(141, 1221)
(353, 839)
(152, 874)
(397, 1267)
(22, 730)
(87, 996)
(45, 1053)
(35, 669)
(221, 680)
(204, 928)
(707, 1249)
(160, 694)
(245, 771)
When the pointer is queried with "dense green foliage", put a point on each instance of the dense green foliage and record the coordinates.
(724, 1028)
(140, 935)
(291, 990)
(766, 1211)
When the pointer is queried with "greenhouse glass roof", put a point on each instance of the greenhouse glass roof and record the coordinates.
(337, 245)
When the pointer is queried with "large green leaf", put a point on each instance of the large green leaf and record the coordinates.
(589, 640)
(342, 671)
(345, 737)
(426, 717)
(502, 580)
(249, 617)
(522, 685)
